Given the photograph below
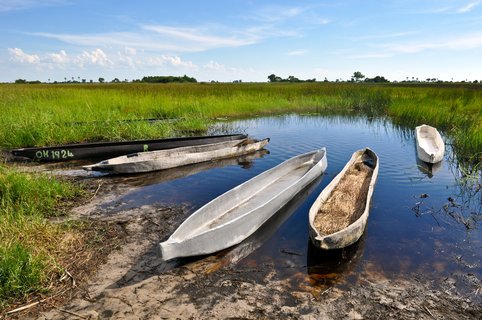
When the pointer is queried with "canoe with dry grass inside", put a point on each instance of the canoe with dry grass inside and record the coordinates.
(430, 146)
(172, 158)
(235, 215)
(339, 215)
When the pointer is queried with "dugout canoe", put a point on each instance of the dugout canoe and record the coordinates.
(177, 157)
(235, 215)
(339, 215)
(430, 146)
(266, 231)
(113, 149)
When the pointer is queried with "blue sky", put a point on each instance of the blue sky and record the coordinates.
(240, 40)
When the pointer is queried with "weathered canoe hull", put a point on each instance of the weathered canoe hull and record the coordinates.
(113, 149)
(430, 146)
(354, 231)
(267, 230)
(172, 158)
(260, 197)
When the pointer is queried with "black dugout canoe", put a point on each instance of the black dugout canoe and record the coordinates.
(112, 149)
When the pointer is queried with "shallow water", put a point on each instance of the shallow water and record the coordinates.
(422, 221)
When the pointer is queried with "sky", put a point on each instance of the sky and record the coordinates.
(228, 40)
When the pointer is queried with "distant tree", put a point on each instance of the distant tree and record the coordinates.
(357, 75)
(326, 79)
(115, 80)
(22, 81)
(84, 80)
(168, 79)
(293, 79)
(272, 77)
(377, 79)
(101, 80)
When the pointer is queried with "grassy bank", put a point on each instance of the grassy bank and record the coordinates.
(30, 246)
(55, 114)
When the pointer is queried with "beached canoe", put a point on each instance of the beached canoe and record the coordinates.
(339, 215)
(430, 146)
(112, 149)
(238, 213)
(177, 157)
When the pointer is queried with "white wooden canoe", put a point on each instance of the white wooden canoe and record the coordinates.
(430, 146)
(265, 232)
(171, 158)
(339, 215)
(232, 217)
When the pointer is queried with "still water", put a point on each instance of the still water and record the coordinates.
(423, 221)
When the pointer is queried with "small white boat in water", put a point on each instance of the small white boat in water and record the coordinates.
(430, 146)
(339, 215)
(171, 158)
(238, 213)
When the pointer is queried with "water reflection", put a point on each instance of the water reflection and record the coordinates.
(325, 267)
(428, 169)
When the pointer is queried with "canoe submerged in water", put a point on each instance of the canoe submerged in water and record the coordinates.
(430, 146)
(339, 215)
(113, 149)
(172, 158)
(235, 215)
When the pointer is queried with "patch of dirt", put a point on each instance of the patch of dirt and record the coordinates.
(134, 282)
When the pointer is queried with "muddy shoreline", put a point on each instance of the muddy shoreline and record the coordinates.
(135, 283)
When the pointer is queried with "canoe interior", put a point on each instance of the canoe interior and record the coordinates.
(347, 201)
(173, 153)
(247, 196)
(264, 194)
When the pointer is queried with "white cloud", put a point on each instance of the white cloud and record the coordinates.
(96, 57)
(388, 35)
(221, 68)
(193, 36)
(297, 53)
(271, 14)
(465, 42)
(60, 57)
(159, 37)
(18, 55)
(174, 61)
(455, 43)
(469, 7)
(130, 51)
(11, 5)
